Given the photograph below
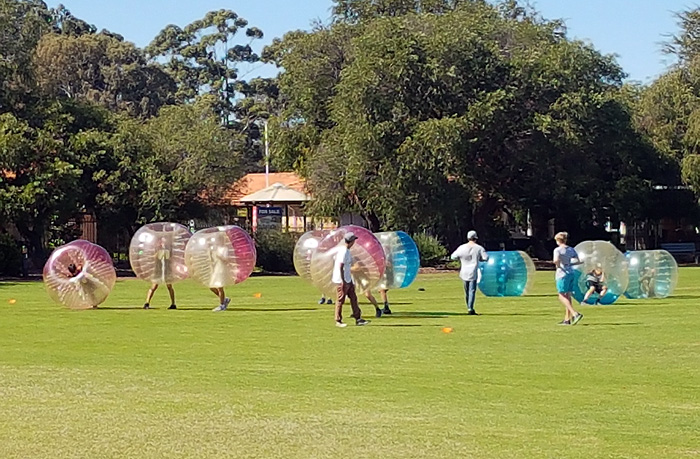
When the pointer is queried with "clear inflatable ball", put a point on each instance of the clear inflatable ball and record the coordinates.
(506, 273)
(157, 253)
(613, 264)
(220, 256)
(652, 274)
(79, 275)
(304, 250)
(369, 261)
(402, 260)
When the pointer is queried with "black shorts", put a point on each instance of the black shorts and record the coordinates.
(596, 285)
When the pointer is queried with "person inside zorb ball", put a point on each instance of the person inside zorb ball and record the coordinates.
(219, 257)
(157, 255)
(604, 258)
(369, 260)
(79, 275)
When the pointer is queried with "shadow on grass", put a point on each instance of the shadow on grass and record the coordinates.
(679, 297)
(234, 309)
(424, 315)
(611, 324)
(125, 308)
(515, 314)
(376, 324)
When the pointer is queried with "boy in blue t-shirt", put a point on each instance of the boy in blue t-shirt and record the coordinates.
(565, 258)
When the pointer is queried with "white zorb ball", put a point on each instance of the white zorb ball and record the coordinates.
(304, 250)
(157, 253)
(613, 263)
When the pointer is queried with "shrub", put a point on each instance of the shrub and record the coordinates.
(432, 252)
(275, 250)
(10, 256)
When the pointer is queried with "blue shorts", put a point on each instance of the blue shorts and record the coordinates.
(566, 283)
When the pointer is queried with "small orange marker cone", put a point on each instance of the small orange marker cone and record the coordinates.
(257, 295)
(12, 301)
(447, 330)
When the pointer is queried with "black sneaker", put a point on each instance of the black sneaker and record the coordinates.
(472, 312)
(564, 322)
(146, 306)
(172, 306)
(386, 309)
(322, 301)
(377, 313)
(361, 322)
(577, 318)
(330, 301)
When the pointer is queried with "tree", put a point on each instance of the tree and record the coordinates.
(22, 23)
(202, 57)
(103, 69)
(418, 119)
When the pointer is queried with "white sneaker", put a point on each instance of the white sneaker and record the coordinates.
(340, 325)
(219, 308)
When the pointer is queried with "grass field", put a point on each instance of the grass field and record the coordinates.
(272, 377)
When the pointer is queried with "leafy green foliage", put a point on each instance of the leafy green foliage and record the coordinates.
(275, 250)
(10, 256)
(431, 250)
(405, 111)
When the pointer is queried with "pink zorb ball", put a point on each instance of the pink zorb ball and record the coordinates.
(220, 256)
(369, 261)
(79, 275)
(157, 253)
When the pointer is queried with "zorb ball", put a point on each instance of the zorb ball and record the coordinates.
(402, 260)
(506, 274)
(603, 255)
(157, 253)
(221, 256)
(652, 273)
(367, 254)
(89, 284)
(304, 250)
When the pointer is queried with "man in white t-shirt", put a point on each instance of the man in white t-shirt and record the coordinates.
(342, 278)
(469, 255)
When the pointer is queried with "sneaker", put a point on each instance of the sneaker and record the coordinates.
(226, 302)
(361, 322)
(322, 301)
(146, 306)
(329, 301)
(339, 324)
(219, 308)
(564, 322)
(387, 310)
(172, 306)
(472, 312)
(377, 313)
(577, 318)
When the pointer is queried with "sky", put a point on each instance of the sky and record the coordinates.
(633, 30)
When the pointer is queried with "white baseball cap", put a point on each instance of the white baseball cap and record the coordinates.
(472, 235)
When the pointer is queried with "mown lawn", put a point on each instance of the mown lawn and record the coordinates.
(272, 377)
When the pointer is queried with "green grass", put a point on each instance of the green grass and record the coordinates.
(273, 377)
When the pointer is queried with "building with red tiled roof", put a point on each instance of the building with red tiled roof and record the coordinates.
(251, 183)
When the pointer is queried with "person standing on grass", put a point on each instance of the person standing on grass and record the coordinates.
(469, 255)
(385, 298)
(342, 278)
(162, 272)
(565, 258)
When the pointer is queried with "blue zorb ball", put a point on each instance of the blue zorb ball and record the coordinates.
(506, 274)
(402, 260)
(653, 274)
